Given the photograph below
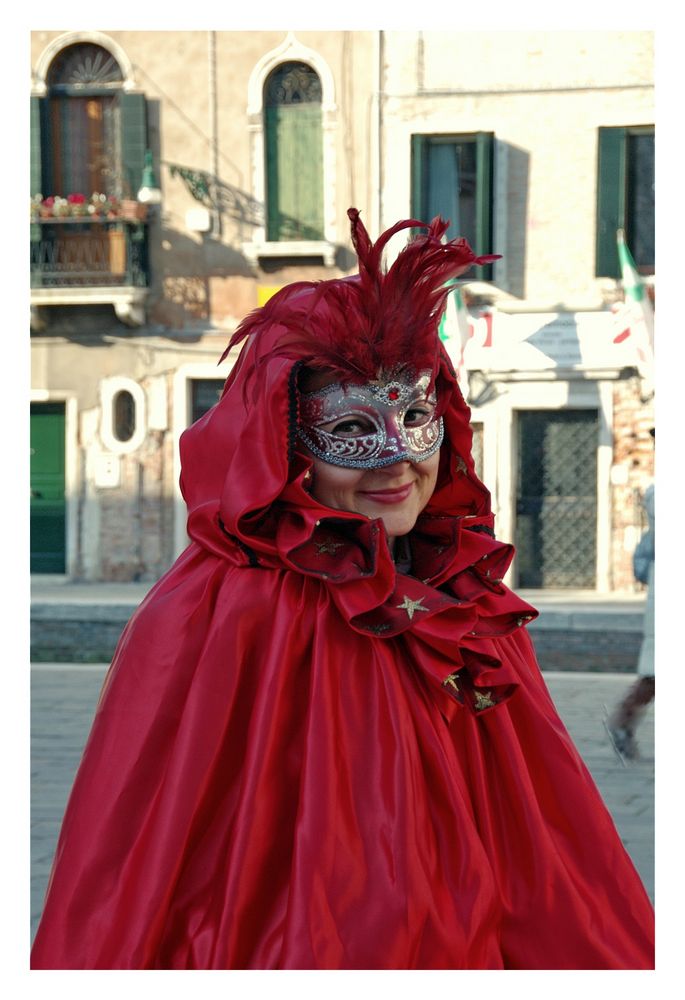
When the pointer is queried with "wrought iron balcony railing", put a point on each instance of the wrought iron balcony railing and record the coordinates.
(83, 253)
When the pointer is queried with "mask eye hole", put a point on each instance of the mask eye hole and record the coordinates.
(418, 415)
(350, 427)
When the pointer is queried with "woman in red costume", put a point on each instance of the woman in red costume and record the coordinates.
(324, 741)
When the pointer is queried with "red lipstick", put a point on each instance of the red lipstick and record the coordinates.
(396, 495)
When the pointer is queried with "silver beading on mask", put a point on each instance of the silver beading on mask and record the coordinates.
(372, 425)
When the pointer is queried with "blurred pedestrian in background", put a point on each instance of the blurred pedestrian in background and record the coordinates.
(628, 713)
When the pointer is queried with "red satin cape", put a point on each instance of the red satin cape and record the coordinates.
(303, 759)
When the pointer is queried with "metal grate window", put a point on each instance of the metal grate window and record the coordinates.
(556, 504)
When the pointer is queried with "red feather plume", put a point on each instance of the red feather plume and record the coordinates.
(374, 322)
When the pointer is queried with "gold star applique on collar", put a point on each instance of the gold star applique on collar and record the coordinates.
(411, 606)
(483, 701)
(328, 547)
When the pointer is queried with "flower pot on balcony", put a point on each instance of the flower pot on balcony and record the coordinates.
(132, 210)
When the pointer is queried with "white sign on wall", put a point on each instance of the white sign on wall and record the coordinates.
(107, 471)
(536, 341)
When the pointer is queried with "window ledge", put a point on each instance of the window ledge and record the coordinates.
(128, 301)
(290, 248)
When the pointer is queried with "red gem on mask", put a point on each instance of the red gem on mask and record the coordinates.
(393, 394)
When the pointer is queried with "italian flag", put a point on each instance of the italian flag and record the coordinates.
(634, 318)
(455, 330)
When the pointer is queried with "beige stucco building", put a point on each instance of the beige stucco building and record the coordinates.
(536, 144)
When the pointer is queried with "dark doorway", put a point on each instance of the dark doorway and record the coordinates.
(556, 500)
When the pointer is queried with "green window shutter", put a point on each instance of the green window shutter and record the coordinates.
(294, 172)
(436, 163)
(611, 198)
(485, 145)
(272, 170)
(37, 104)
(418, 144)
(307, 185)
(133, 121)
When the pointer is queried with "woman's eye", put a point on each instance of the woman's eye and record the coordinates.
(418, 415)
(351, 427)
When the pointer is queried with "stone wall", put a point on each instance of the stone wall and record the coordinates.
(135, 529)
(589, 650)
(88, 633)
(125, 529)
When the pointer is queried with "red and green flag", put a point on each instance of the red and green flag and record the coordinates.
(455, 330)
(634, 318)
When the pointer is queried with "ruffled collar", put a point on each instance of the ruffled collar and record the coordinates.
(449, 608)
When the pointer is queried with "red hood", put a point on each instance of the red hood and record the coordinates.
(236, 470)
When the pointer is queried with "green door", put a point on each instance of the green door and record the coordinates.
(48, 505)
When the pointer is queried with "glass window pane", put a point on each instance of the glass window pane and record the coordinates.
(205, 392)
(640, 200)
(451, 185)
(124, 415)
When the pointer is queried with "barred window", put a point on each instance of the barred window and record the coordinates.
(556, 498)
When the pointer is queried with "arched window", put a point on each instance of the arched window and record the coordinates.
(293, 153)
(88, 129)
(82, 82)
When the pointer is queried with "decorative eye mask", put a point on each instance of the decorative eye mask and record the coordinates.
(372, 425)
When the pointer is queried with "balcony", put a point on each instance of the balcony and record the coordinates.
(77, 261)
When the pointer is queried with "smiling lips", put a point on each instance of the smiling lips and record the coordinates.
(392, 496)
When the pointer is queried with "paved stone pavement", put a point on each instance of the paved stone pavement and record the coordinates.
(64, 697)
